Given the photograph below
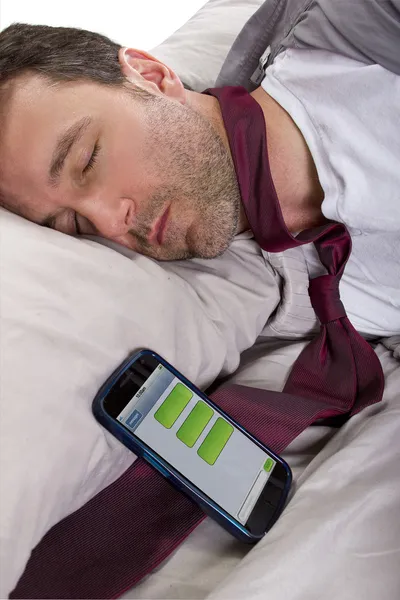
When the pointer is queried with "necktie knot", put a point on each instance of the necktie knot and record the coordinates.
(325, 298)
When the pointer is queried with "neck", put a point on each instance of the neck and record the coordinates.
(292, 167)
(208, 107)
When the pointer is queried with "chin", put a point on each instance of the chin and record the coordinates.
(212, 247)
(205, 242)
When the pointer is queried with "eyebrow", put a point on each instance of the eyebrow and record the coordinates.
(63, 147)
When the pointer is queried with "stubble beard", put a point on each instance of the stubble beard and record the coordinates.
(199, 183)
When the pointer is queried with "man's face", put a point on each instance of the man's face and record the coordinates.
(147, 172)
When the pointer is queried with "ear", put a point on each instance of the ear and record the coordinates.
(146, 71)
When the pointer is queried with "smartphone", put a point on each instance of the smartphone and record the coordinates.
(159, 415)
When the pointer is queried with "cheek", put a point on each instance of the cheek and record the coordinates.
(131, 169)
(120, 146)
(133, 165)
(128, 241)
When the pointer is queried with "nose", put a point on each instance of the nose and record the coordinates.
(111, 218)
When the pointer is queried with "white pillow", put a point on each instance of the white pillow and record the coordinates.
(71, 311)
(197, 50)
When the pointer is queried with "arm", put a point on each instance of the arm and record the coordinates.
(364, 30)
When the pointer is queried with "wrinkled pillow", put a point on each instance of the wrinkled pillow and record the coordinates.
(71, 310)
(198, 49)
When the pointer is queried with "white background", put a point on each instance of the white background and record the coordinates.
(141, 24)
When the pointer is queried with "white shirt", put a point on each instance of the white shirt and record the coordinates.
(349, 115)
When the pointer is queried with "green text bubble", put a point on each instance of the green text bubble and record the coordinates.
(173, 405)
(191, 429)
(215, 441)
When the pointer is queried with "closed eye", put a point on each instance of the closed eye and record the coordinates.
(92, 160)
(76, 221)
(65, 221)
(82, 225)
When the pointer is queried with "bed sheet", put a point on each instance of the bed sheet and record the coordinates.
(339, 537)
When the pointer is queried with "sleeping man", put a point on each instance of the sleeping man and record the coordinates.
(98, 139)
(105, 140)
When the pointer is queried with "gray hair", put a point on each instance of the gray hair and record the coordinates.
(59, 54)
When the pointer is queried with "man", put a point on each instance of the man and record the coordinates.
(99, 139)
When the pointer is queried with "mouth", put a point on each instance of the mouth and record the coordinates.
(157, 233)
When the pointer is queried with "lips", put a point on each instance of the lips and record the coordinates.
(157, 234)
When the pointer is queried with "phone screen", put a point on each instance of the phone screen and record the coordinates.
(195, 439)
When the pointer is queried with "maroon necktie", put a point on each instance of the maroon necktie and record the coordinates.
(133, 525)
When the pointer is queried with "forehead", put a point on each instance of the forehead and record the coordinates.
(35, 114)
(38, 111)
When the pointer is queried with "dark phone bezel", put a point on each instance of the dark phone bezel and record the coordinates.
(273, 497)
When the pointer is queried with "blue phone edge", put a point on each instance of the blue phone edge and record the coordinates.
(177, 479)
